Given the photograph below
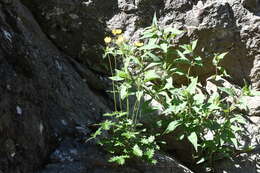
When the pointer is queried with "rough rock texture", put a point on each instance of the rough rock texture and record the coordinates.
(75, 157)
(51, 91)
(245, 162)
(78, 28)
(42, 98)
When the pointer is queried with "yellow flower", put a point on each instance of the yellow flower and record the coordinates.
(116, 31)
(139, 44)
(120, 39)
(107, 39)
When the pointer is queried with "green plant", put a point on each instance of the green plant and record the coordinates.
(150, 70)
(125, 139)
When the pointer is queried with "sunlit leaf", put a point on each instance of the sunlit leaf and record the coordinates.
(172, 126)
(137, 151)
(194, 140)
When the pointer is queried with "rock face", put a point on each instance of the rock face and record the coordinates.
(221, 26)
(42, 98)
(51, 91)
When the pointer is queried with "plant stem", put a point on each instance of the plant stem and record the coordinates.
(113, 83)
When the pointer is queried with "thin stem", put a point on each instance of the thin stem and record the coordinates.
(113, 83)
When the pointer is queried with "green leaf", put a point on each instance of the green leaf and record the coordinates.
(194, 44)
(164, 47)
(129, 134)
(153, 56)
(192, 87)
(173, 31)
(229, 91)
(147, 35)
(118, 159)
(179, 72)
(194, 140)
(116, 78)
(201, 160)
(150, 75)
(139, 95)
(182, 58)
(121, 74)
(234, 141)
(137, 151)
(150, 47)
(168, 84)
(155, 23)
(124, 90)
(151, 65)
(149, 153)
(198, 61)
(222, 55)
(107, 124)
(199, 98)
(172, 126)
(151, 139)
(255, 93)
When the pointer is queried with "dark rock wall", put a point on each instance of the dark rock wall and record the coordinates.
(42, 97)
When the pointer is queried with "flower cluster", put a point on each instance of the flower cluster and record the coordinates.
(119, 38)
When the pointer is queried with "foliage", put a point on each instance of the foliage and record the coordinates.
(125, 139)
(150, 70)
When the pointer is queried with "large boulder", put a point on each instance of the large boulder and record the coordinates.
(42, 97)
(76, 157)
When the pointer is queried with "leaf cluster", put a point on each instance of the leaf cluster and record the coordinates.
(210, 119)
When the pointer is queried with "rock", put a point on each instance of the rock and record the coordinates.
(251, 5)
(76, 27)
(221, 26)
(246, 162)
(253, 105)
(43, 98)
(90, 158)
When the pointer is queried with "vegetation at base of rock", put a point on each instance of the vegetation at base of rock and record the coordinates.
(211, 119)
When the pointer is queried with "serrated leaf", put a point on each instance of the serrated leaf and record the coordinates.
(194, 140)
